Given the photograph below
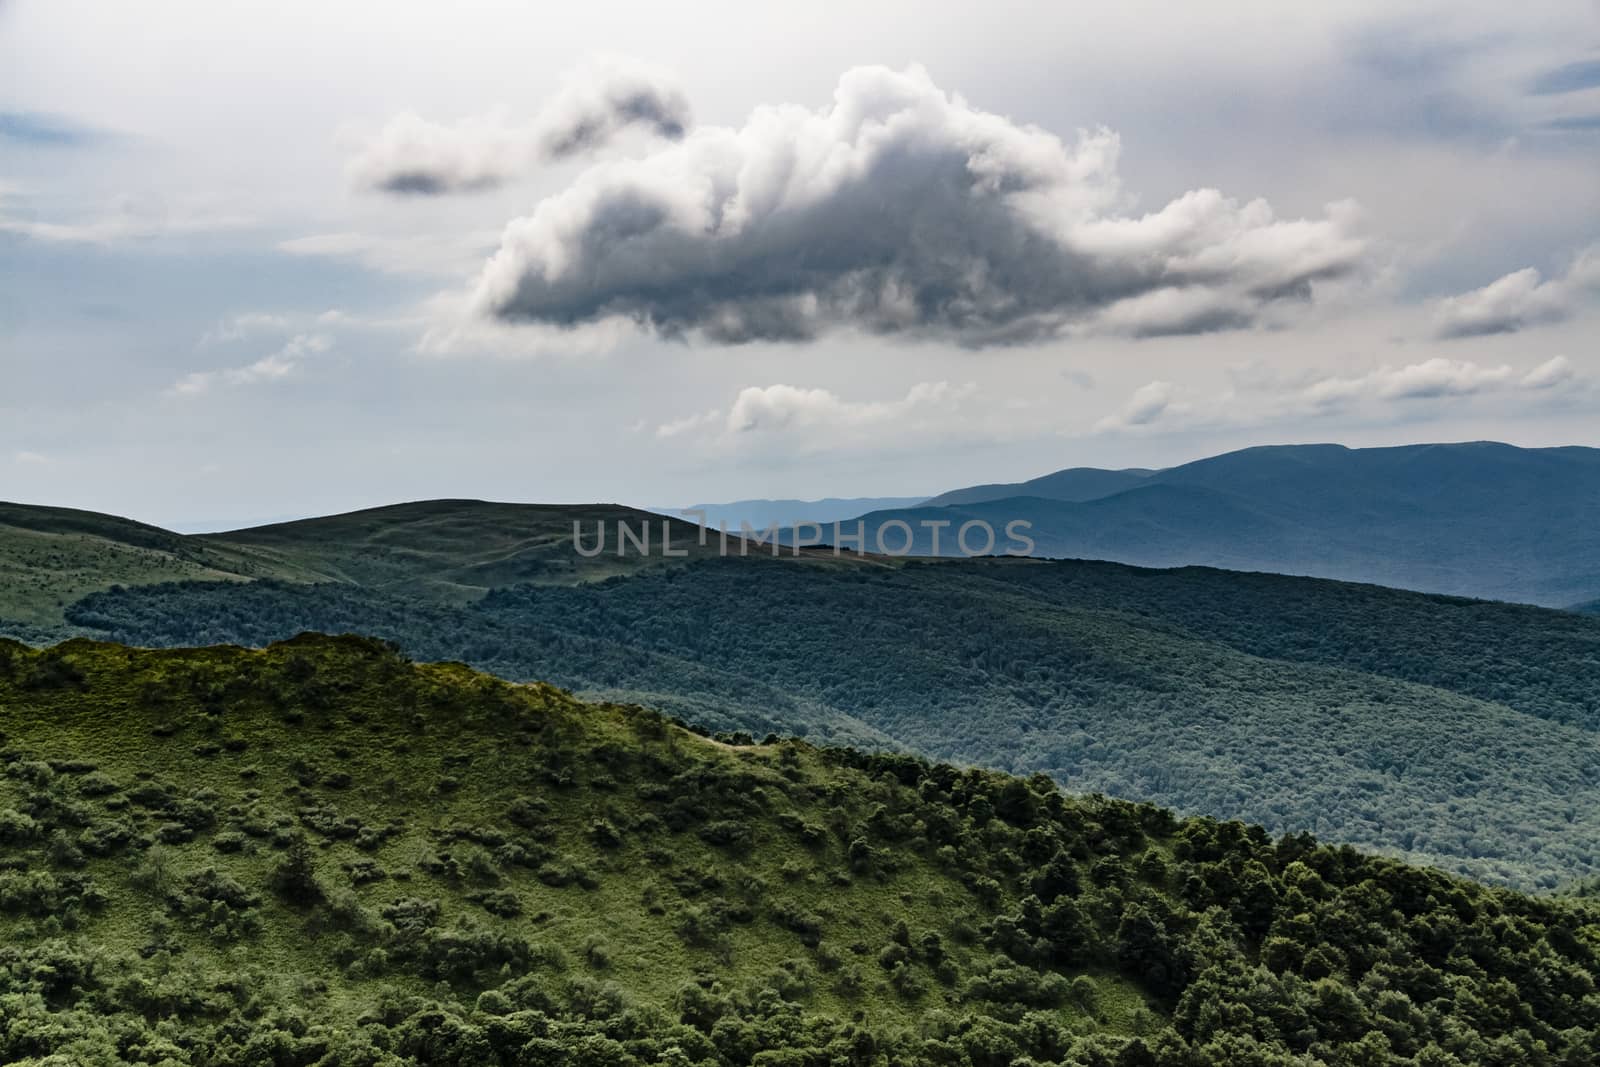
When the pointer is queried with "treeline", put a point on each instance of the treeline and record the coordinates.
(322, 854)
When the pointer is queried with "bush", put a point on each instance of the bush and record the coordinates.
(294, 878)
(17, 828)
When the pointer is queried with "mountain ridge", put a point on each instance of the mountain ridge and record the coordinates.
(1481, 519)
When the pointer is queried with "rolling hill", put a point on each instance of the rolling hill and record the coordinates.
(1454, 732)
(1481, 519)
(456, 550)
(443, 550)
(321, 853)
(50, 557)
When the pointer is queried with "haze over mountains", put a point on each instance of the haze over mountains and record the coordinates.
(760, 514)
(1072, 484)
(1479, 519)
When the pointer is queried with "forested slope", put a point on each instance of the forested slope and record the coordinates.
(322, 854)
(1454, 732)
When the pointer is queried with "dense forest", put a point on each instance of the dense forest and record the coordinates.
(1453, 732)
(322, 853)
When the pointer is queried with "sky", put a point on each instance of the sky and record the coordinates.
(266, 260)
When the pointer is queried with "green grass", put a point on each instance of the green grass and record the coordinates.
(50, 558)
(603, 880)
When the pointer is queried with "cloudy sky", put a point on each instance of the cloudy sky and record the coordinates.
(260, 260)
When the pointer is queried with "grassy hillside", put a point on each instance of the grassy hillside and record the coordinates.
(455, 550)
(51, 557)
(1453, 732)
(1478, 519)
(444, 550)
(323, 854)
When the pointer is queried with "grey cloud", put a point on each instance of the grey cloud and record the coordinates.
(898, 210)
(412, 155)
(608, 98)
(1148, 405)
(1520, 300)
(435, 183)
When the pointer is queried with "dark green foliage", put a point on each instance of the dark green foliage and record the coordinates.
(868, 909)
(1449, 731)
(295, 876)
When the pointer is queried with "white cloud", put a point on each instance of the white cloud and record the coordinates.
(784, 407)
(1550, 374)
(413, 155)
(1148, 404)
(1520, 300)
(820, 418)
(1430, 379)
(900, 209)
(608, 95)
(248, 324)
(275, 367)
(31, 459)
(690, 424)
(1437, 377)
(1260, 399)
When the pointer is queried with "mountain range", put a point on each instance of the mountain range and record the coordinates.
(1450, 731)
(1479, 519)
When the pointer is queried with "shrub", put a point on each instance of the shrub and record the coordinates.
(294, 878)
(17, 828)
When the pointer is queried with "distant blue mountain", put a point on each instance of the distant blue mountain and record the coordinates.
(1074, 484)
(761, 514)
(1479, 519)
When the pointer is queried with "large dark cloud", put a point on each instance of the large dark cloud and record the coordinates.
(413, 155)
(898, 210)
